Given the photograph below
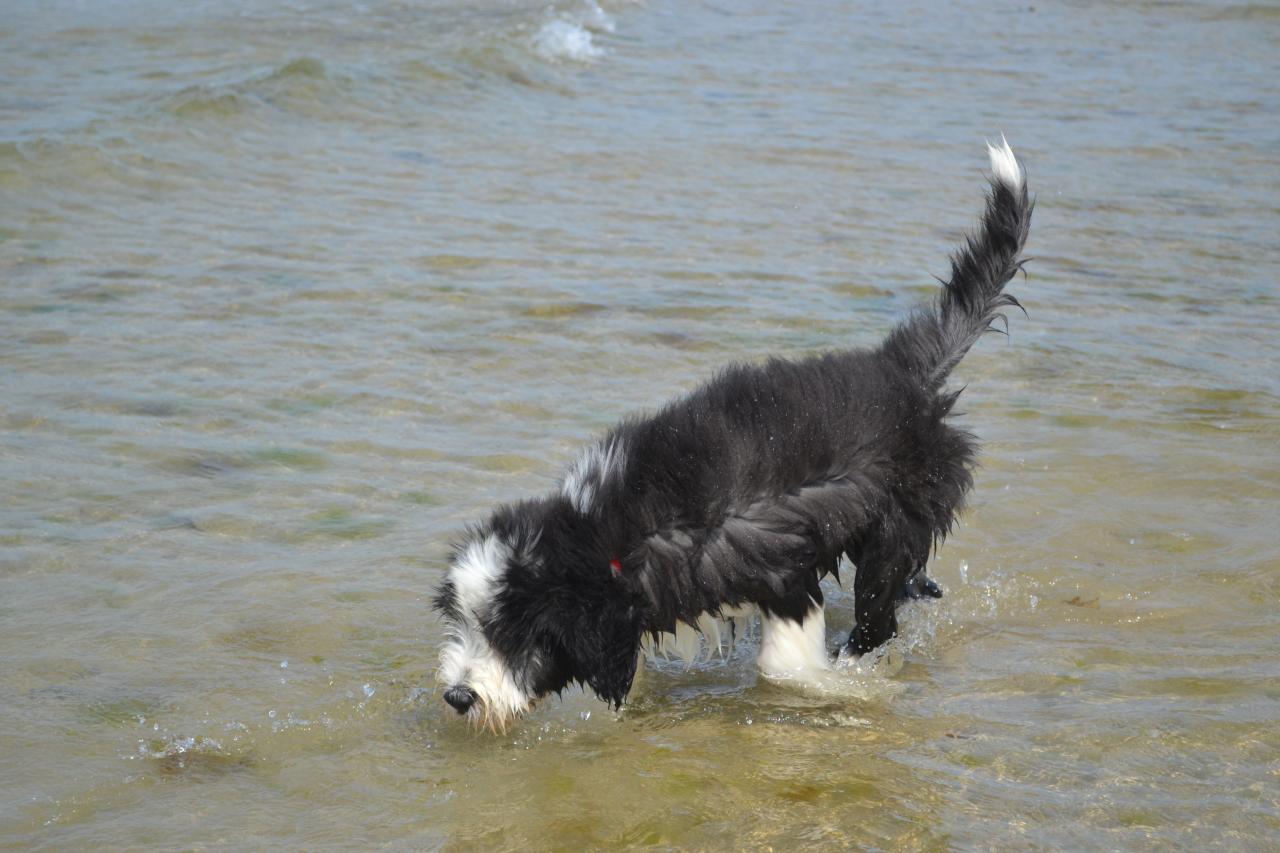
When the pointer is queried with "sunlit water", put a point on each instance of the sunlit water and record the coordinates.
(289, 292)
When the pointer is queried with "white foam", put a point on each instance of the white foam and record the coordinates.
(175, 745)
(565, 39)
(597, 19)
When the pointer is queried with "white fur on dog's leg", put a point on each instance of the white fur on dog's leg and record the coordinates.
(789, 649)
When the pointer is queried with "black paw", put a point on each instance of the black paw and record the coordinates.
(919, 585)
(863, 639)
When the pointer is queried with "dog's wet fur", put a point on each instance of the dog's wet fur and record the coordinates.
(744, 493)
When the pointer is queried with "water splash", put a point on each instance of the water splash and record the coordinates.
(563, 39)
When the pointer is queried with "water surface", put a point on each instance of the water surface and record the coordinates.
(290, 292)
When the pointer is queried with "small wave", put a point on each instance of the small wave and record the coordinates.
(565, 39)
(294, 85)
(50, 161)
(519, 50)
(196, 101)
(305, 67)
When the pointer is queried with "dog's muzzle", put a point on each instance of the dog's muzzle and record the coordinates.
(460, 698)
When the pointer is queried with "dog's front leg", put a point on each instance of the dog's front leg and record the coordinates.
(793, 636)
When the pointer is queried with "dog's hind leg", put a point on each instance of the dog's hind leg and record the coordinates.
(919, 585)
(877, 621)
(883, 572)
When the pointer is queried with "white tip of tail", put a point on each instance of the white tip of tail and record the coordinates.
(1004, 166)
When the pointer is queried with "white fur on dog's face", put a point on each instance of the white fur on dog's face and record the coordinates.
(467, 658)
(531, 604)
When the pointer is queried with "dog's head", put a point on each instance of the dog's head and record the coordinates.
(532, 602)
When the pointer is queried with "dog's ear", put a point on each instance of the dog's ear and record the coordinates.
(606, 646)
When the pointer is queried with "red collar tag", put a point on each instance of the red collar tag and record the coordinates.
(616, 565)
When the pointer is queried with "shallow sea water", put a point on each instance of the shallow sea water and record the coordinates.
(290, 292)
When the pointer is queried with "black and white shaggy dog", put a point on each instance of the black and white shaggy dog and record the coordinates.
(739, 496)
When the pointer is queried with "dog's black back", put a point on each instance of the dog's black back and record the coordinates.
(750, 488)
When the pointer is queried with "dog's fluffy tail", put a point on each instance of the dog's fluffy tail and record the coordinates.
(933, 340)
